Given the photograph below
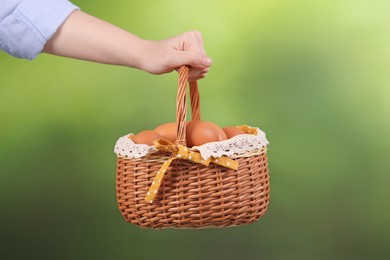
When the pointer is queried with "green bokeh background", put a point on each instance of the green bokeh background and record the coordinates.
(314, 75)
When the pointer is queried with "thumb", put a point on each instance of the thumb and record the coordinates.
(191, 58)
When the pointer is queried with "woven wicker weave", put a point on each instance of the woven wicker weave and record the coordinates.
(193, 195)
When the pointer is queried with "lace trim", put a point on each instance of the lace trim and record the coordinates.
(240, 144)
(236, 145)
(125, 147)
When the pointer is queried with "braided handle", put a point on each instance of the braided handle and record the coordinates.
(181, 104)
(195, 102)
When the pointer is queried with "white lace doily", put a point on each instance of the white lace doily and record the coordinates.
(240, 144)
(236, 145)
(125, 147)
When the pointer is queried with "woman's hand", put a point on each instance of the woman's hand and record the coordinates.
(167, 55)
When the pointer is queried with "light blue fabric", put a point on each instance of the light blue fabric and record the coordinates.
(26, 25)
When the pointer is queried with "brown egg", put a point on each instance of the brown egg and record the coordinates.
(221, 134)
(200, 132)
(146, 137)
(167, 131)
(232, 131)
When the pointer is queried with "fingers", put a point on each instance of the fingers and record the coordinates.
(199, 65)
(196, 74)
(194, 55)
(191, 58)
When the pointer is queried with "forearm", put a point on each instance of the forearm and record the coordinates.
(85, 37)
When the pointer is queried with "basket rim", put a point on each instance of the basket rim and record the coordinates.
(163, 156)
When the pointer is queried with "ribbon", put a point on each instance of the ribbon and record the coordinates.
(248, 129)
(184, 153)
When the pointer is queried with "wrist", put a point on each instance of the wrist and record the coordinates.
(136, 48)
(142, 53)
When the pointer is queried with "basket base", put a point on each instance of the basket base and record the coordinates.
(192, 195)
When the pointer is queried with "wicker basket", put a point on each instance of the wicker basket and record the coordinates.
(192, 195)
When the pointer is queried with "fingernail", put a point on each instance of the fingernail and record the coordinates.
(206, 61)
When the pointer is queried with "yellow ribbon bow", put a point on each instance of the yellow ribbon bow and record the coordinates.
(184, 153)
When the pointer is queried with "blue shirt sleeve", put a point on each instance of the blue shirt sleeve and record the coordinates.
(26, 25)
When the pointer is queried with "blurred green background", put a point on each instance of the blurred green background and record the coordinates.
(314, 75)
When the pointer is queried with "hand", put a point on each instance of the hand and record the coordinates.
(167, 55)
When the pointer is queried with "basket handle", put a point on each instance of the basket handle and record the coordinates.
(181, 104)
